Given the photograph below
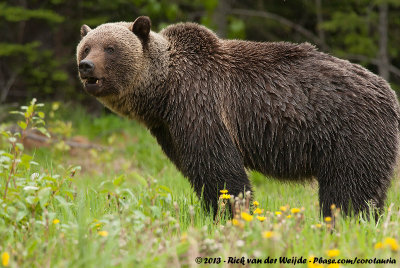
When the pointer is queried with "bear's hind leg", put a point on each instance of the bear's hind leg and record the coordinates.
(353, 190)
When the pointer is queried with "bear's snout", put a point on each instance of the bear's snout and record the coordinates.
(86, 67)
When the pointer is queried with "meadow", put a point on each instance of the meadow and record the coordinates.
(102, 194)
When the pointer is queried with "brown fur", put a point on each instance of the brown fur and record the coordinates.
(219, 106)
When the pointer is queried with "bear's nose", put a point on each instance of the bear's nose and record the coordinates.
(86, 67)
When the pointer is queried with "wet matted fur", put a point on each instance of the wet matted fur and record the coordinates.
(219, 106)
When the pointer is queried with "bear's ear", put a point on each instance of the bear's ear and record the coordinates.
(84, 30)
(141, 27)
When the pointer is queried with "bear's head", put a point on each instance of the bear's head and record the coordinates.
(111, 58)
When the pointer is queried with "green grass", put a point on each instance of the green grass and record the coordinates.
(153, 219)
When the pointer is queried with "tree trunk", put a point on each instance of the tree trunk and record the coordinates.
(220, 17)
(321, 33)
(383, 57)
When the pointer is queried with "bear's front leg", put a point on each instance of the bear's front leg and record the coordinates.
(211, 161)
(164, 139)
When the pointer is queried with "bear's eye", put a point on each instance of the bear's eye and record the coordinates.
(86, 51)
(109, 50)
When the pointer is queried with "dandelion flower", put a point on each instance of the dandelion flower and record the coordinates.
(237, 223)
(268, 234)
(255, 203)
(378, 245)
(278, 213)
(311, 264)
(392, 243)
(258, 211)
(333, 265)
(328, 219)
(103, 233)
(333, 253)
(295, 210)
(184, 237)
(261, 218)
(225, 196)
(246, 216)
(288, 216)
(318, 225)
(223, 191)
(283, 208)
(56, 221)
(5, 259)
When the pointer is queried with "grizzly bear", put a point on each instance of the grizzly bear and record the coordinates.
(219, 106)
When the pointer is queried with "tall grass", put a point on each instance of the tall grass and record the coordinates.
(129, 207)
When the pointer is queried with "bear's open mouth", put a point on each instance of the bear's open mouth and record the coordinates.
(92, 80)
(92, 84)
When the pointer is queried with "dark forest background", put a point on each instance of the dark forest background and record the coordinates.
(38, 38)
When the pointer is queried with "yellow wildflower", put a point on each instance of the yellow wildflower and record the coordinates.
(255, 203)
(5, 259)
(392, 243)
(278, 213)
(225, 196)
(258, 211)
(288, 216)
(318, 225)
(333, 253)
(333, 265)
(328, 219)
(103, 233)
(246, 216)
(261, 218)
(238, 223)
(223, 191)
(378, 245)
(295, 210)
(184, 237)
(283, 208)
(311, 264)
(268, 234)
(56, 221)
(310, 261)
